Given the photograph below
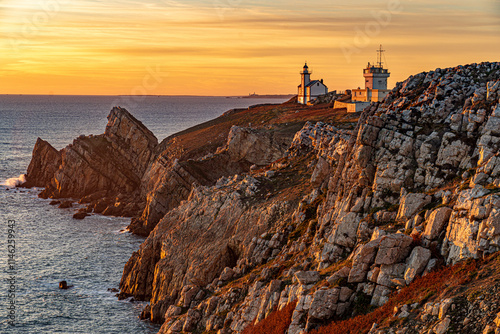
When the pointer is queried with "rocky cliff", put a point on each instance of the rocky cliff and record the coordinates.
(308, 214)
(105, 171)
(344, 219)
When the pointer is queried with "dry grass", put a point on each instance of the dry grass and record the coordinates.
(422, 289)
(286, 119)
(277, 322)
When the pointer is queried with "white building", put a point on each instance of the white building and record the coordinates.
(309, 90)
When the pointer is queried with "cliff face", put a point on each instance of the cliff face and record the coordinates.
(46, 160)
(169, 181)
(105, 170)
(344, 219)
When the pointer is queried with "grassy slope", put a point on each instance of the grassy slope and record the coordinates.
(285, 119)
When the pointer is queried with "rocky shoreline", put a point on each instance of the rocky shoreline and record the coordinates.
(275, 205)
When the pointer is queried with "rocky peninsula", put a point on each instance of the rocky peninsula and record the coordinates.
(307, 218)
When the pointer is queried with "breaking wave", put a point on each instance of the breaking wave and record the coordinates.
(14, 181)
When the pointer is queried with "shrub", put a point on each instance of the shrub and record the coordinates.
(277, 322)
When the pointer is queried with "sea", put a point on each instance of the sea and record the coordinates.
(41, 245)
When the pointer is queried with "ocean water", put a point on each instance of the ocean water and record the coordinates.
(49, 245)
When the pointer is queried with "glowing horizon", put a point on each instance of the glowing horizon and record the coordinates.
(231, 47)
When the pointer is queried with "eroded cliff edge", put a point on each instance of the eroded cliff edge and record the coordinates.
(345, 218)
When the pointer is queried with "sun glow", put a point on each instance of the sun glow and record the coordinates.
(231, 47)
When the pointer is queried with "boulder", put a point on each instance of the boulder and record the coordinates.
(80, 215)
(416, 263)
(393, 248)
(324, 303)
(436, 222)
(192, 319)
(388, 274)
(307, 277)
(65, 205)
(411, 204)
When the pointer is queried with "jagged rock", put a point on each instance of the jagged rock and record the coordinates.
(411, 204)
(256, 146)
(436, 223)
(338, 275)
(169, 181)
(173, 311)
(192, 319)
(307, 277)
(44, 163)
(362, 260)
(80, 215)
(393, 248)
(442, 327)
(320, 172)
(388, 274)
(65, 205)
(324, 303)
(187, 295)
(416, 263)
(227, 274)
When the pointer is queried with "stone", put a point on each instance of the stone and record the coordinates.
(437, 221)
(80, 215)
(65, 205)
(393, 248)
(443, 308)
(192, 319)
(173, 311)
(390, 272)
(411, 204)
(416, 263)
(227, 274)
(338, 275)
(307, 277)
(188, 294)
(324, 303)
(380, 295)
(320, 172)
(442, 327)
(345, 294)
(44, 163)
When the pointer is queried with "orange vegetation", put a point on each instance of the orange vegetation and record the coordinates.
(277, 322)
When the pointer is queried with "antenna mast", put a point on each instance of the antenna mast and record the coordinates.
(379, 56)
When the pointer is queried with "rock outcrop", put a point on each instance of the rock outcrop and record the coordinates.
(105, 170)
(333, 217)
(169, 181)
(46, 161)
(413, 185)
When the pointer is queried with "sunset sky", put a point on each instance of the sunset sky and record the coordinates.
(232, 47)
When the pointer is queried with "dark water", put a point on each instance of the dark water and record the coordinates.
(49, 245)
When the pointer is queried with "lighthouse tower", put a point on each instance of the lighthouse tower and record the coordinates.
(309, 90)
(376, 76)
(375, 82)
(305, 76)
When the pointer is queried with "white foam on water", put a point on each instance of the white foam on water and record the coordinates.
(14, 181)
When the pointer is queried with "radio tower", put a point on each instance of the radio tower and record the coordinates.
(379, 56)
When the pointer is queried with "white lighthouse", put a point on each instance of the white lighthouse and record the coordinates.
(309, 90)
